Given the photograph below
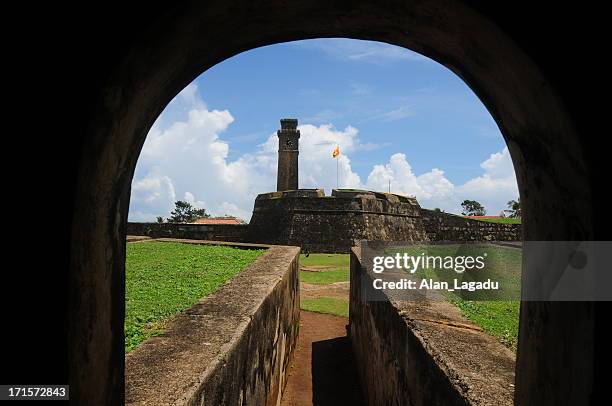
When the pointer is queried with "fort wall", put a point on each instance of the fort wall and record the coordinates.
(335, 223)
(441, 226)
(218, 232)
(318, 223)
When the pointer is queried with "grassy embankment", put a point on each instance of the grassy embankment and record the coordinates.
(334, 268)
(497, 313)
(503, 220)
(497, 317)
(162, 279)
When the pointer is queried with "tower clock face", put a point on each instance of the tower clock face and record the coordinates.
(289, 143)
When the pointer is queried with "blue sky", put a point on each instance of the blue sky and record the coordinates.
(397, 116)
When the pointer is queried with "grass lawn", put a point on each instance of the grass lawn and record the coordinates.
(325, 277)
(498, 318)
(328, 305)
(162, 279)
(338, 270)
(333, 260)
(503, 220)
(495, 313)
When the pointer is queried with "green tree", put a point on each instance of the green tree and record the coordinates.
(160, 219)
(514, 208)
(472, 208)
(184, 212)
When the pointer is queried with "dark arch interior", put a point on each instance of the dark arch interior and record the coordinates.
(552, 159)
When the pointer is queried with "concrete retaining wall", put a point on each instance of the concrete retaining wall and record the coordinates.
(424, 353)
(449, 227)
(221, 232)
(231, 348)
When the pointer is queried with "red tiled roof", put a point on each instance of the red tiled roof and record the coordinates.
(217, 220)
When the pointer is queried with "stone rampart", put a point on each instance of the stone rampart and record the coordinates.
(220, 232)
(335, 223)
(318, 223)
(231, 348)
(423, 352)
(441, 226)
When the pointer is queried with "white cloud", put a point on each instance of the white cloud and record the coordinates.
(317, 168)
(396, 114)
(499, 165)
(431, 189)
(190, 198)
(231, 209)
(361, 50)
(398, 174)
(438, 190)
(186, 158)
(151, 196)
(189, 155)
(494, 188)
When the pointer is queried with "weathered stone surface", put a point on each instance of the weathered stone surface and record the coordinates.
(136, 238)
(221, 232)
(424, 353)
(320, 223)
(231, 348)
(448, 227)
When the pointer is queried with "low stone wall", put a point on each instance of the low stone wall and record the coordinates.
(449, 227)
(231, 348)
(222, 232)
(424, 353)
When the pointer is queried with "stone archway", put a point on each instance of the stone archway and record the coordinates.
(550, 164)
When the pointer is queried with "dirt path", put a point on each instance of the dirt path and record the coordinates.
(339, 290)
(323, 369)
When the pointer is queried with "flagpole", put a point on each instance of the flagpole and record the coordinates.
(337, 169)
(335, 155)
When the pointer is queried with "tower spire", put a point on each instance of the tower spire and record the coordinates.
(288, 151)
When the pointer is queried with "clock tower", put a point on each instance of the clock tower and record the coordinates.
(288, 143)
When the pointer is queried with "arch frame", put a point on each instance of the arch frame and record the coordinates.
(547, 152)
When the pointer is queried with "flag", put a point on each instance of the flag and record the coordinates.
(336, 151)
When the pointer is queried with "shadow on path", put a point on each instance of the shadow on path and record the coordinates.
(323, 370)
(334, 373)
